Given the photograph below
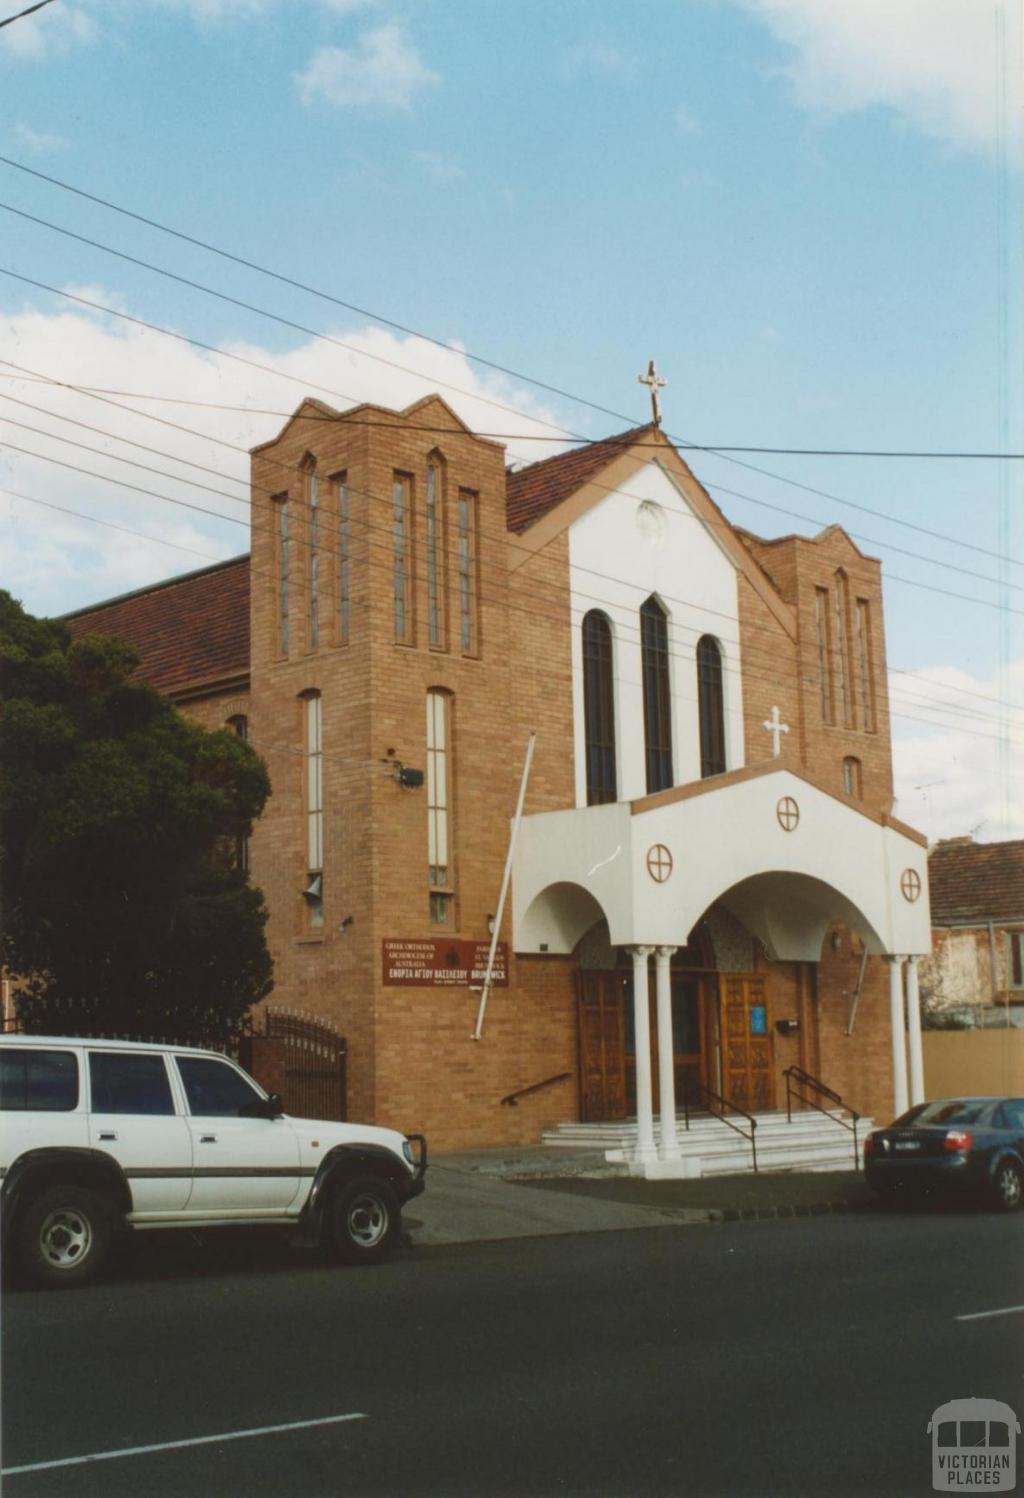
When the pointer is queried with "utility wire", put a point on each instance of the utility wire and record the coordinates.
(294, 467)
(306, 385)
(502, 600)
(387, 322)
(26, 12)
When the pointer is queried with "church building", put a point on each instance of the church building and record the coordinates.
(706, 887)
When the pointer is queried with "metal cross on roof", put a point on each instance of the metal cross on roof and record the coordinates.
(655, 383)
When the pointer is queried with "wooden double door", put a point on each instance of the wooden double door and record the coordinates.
(720, 1037)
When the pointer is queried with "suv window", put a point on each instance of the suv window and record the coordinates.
(40, 1081)
(123, 1082)
(215, 1090)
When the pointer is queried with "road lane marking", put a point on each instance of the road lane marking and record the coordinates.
(232, 1435)
(980, 1315)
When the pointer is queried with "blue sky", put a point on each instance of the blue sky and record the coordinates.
(808, 212)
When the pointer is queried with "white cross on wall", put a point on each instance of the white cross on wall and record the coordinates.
(776, 728)
(655, 383)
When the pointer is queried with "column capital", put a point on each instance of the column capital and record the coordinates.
(641, 951)
(913, 959)
(894, 957)
(664, 953)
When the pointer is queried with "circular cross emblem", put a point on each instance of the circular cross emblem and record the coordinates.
(910, 884)
(659, 863)
(787, 812)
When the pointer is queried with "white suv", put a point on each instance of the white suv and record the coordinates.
(100, 1135)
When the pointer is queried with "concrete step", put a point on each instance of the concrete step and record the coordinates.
(810, 1142)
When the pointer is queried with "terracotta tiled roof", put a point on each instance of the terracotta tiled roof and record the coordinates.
(532, 492)
(186, 631)
(976, 881)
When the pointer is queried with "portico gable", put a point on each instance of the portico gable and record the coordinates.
(786, 856)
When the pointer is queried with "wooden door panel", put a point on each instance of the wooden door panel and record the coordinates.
(748, 1078)
(601, 1047)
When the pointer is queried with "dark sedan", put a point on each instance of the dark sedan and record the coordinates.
(971, 1146)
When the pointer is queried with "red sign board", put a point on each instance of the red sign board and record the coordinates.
(442, 963)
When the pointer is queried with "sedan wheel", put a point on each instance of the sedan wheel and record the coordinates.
(1008, 1186)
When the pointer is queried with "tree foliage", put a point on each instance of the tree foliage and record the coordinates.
(121, 908)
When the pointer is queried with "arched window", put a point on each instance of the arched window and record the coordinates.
(598, 708)
(657, 695)
(313, 522)
(434, 517)
(851, 776)
(440, 862)
(711, 704)
(313, 755)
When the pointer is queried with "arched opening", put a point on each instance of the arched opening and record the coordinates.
(711, 704)
(657, 695)
(599, 708)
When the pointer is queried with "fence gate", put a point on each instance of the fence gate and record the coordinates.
(302, 1059)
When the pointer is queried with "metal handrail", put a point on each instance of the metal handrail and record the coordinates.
(706, 1092)
(513, 1098)
(796, 1077)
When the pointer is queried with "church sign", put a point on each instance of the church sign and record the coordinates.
(442, 963)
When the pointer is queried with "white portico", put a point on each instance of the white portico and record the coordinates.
(782, 855)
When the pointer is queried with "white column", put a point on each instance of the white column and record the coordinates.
(642, 1037)
(666, 1069)
(899, 1049)
(914, 1033)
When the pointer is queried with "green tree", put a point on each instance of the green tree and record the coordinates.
(121, 908)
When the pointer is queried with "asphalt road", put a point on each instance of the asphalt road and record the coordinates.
(791, 1356)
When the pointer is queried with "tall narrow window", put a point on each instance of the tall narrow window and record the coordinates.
(711, 705)
(598, 708)
(314, 795)
(467, 572)
(434, 514)
(851, 776)
(440, 878)
(865, 685)
(824, 672)
(239, 725)
(402, 552)
(344, 561)
(657, 695)
(1015, 955)
(313, 490)
(283, 574)
(842, 664)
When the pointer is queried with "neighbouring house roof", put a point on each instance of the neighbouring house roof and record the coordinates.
(531, 492)
(972, 881)
(186, 632)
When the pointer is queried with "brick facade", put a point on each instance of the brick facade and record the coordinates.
(411, 1060)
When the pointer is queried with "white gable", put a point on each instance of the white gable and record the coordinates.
(644, 538)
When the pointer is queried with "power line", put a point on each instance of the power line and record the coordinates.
(339, 395)
(377, 317)
(746, 671)
(26, 12)
(294, 467)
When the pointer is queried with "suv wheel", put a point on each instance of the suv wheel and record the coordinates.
(364, 1220)
(64, 1236)
(1007, 1186)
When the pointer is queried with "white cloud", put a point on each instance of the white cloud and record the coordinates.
(54, 562)
(437, 166)
(38, 141)
(54, 30)
(933, 61)
(383, 71)
(601, 60)
(686, 122)
(949, 778)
